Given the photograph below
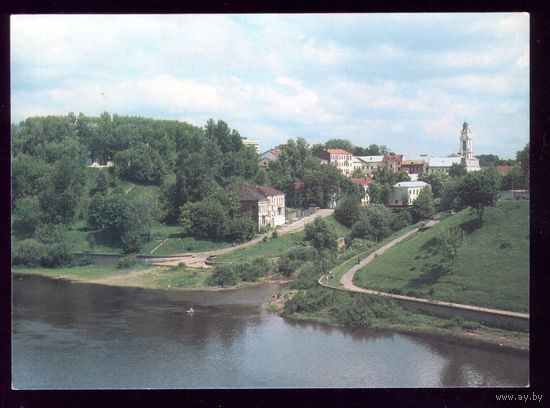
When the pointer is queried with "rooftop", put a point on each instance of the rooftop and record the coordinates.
(371, 159)
(443, 161)
(337, 151)
(362, 180)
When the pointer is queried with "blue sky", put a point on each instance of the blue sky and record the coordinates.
(404, 80)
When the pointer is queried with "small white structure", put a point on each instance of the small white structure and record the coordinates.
(410, 189)
(254, 143)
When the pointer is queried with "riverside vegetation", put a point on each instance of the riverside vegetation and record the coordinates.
(172, 179)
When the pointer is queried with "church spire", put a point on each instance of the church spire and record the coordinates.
(466, 151)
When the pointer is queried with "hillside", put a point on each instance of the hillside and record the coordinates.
(491, 267)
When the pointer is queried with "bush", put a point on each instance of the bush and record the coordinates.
(81, 260)
(223, 275)
(30, 253)
(126, 262)
(274, 235)
(307, 277)
(401, 220)
(251, 271)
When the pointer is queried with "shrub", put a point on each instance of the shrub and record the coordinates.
(274, 235)
(30, 253)
(223, 275)
(126, 261)
(252, 270)
(81, 260)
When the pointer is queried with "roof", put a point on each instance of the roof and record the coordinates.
(443, 161)
(411, 184)
(266, 191)
(371, 159)
(246, 193)
(387, 157)
(503, 169)
(297, 184)
(337, 151)
(412, 162)
(362, 180)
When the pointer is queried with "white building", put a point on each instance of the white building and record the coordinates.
(341, 159)
(410, 189)
(442, 164)
(254, 143)
(370, 163)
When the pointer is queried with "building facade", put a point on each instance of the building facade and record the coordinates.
(339, 158)
(414, 166)
(442, 164)
(392, 162)
(265, 205)
(268, 157)
(407, 190)
(369, 164)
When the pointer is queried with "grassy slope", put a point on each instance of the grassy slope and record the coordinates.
(275, 247)
(491, 268)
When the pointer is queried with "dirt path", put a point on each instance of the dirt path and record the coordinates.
(124, 279)
(198, 259)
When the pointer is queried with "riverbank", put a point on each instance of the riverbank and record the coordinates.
(158, 277)
(411, 322)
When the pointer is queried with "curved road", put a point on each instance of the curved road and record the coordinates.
(347, 282)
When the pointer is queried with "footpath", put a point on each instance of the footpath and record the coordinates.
(498, 317)
(198, 259)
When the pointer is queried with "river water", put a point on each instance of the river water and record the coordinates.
(79, 336)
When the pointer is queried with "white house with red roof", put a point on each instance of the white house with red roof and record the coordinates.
(266, 205)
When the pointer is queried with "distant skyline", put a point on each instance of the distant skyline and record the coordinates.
(407, 81)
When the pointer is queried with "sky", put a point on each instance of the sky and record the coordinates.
(407, 81)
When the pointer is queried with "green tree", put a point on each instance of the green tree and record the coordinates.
(27, 215)
(457, 170)
(380, 193)
(347, 211)
(479, 190)
(374, 223)
(101, 184)
(322, 185)
(514, 179)
(339, 144)
(376, 150)
(435, 180)
(487, 160)
(321, 235)
(450, 240)
(223, 275)
(140, 163)
(522, 157)
(424, 206)
(450, 197)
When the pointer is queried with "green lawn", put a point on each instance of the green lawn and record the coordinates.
(340, 229)
(177, 278)
(338, 271)
(491, 268)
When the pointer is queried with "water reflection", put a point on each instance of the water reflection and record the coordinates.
(90, 336)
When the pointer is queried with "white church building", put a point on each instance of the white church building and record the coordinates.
(465, 155)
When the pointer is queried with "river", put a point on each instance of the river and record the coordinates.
(80, 336)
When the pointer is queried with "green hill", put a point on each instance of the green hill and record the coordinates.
(491, 267)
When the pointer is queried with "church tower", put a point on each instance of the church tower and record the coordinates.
(466, 151)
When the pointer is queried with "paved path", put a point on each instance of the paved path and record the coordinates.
(347, 282)
(198, 259)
